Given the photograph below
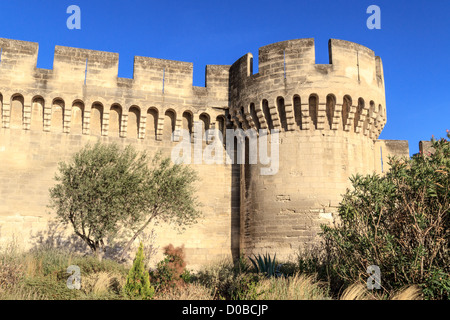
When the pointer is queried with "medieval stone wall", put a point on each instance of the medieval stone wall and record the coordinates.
(47, 115)
(329, 118)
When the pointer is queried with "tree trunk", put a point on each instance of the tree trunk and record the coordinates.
(89, 242)
(130, 242)
(99, 250)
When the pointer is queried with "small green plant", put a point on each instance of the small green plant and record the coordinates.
(138, 282)
(266, 265)
(245, 286)
(437, 286)
(186, 276)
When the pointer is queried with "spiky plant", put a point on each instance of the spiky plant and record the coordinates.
(266, 265)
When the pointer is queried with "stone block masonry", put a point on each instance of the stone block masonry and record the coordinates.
(329, 117)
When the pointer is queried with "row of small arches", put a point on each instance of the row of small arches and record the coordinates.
(100, 119)
(307, 115)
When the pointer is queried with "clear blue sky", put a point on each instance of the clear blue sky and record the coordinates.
(414, 41)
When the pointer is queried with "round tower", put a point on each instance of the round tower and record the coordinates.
(328, 117)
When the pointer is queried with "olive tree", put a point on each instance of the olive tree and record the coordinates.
(104, 190)
(170, 198)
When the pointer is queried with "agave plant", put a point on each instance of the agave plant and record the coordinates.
(265, 264)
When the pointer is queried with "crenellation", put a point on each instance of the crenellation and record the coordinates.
(18, 54)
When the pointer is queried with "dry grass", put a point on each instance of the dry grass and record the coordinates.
(102, 282)
(11, 273)
(297, 287)
(409, 293)
(20, 292)
(33, 266)
(358, 291)
(192, 291)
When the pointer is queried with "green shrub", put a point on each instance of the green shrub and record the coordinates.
(138, 282)
(315, 261)
(288, 269)
(90, 264)
(171, 271)
(186, 276)
(229, 280)
(437, 285)
(399, 222)
(244, 287)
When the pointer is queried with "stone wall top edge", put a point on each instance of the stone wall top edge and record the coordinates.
(301, 53)
(23, 55)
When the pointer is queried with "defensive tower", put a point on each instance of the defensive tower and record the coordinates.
(329, 117)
